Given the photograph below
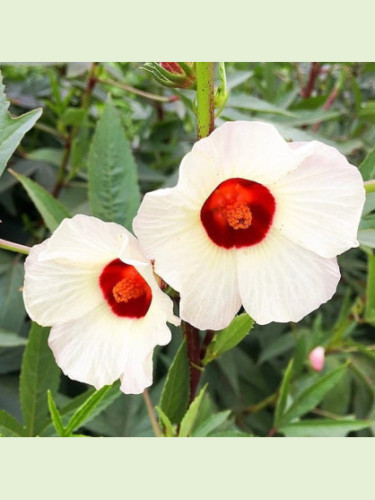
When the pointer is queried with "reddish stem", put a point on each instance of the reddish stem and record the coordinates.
(193, 352)
(327, 105)
(314, 72)
(206, 342)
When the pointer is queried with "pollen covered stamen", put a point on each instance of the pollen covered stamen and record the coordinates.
(238, 215)
(127, 289)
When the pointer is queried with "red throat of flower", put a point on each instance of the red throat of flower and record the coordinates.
(238, 213)
(125, 290)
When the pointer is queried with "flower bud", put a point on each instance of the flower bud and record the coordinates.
(173, 74)
(316, 358)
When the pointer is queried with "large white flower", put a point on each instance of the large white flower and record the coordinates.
(90, 282)
(253, 220)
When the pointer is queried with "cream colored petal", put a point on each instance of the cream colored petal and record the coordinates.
(131, 254)
(146, 333)
(92, 348)
(85, 240)
(101, 347)
(250, 150)
(205, 275)
(57, 292)
(281, 281)
(319, 204)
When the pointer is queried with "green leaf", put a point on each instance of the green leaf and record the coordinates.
(367, 167)
(12, 129)
(307, 117)
(229, 337)
(366, 237)
(369, 203)
(10, 339)
(282, 344)
(83, 413)
(53, 156)
(312, 396)
(113, 188)
(211, 423)
(9, 426)
(324, 427)
(39, 373)
(175, 396)
(237, 77)
(231, 434)
(52, 211)
(169, 432)
(370, 290)
(12, 310)
(245, 101)
(283, 395)
(67, 410)
(55, 415)
(73, 116)
(190, 417)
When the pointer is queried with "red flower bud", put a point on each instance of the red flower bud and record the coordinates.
(173, 74)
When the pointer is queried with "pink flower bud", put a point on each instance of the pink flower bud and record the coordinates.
(316, 358)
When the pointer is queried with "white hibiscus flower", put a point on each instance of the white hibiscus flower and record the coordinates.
(253, 220)
(90, 282)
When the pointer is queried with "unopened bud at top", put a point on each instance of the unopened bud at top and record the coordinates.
(173, 74)
(316, 358)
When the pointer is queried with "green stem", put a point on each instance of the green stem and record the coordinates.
(14, 247)
(370, 186)
(269, 400)
(205, 118)
(205, 98)
(62, 176)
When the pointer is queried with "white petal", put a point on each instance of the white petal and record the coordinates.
(161, 303)
(319, 204)
(281, 281)
(101, 347)
(86, 240)
(139, 375)
(58, 291)
(92, 349)
(146, 333)
(250, 150)
(131, 254)
(205, 275)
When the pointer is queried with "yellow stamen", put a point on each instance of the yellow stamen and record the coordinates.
(127, 289)
(238, 215)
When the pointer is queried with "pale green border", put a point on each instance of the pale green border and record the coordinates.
(76, 30)
(256, 468)
(179, 469)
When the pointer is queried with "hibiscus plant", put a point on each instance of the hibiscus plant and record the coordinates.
(187, 249)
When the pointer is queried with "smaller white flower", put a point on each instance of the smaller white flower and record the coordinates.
(90, 282)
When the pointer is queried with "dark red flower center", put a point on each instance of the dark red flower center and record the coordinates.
(238, 213)
(127, 293)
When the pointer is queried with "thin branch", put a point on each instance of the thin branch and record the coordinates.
(151, 414)
(61, 175)
(268, 401)
(14, 247)
(139, 92)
